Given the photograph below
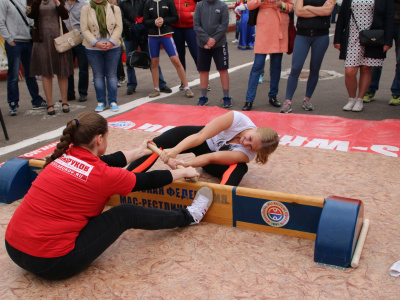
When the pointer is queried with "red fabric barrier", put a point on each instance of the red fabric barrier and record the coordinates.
(314, 131)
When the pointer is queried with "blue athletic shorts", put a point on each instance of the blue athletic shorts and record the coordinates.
(155, 43)
(220, 55)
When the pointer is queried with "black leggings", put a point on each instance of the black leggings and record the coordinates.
(230, 175)
(97, 236)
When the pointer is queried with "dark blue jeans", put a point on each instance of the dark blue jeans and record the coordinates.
(139, 39)
(99, 234)
(104, 66)
(188, 35)
(377, 71)
(79, 53)
(21, 52)
(302, 45)
(237, 29)
(258, 67)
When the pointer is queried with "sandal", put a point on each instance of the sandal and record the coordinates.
(51, 112)
(65, 110)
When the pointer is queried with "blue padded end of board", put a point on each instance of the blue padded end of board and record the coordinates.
(338, 231)
(16, 178)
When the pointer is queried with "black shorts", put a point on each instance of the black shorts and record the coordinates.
(220, 55)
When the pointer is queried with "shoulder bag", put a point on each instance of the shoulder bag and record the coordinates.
(291, 36)
(370, 37)
(23, 18)
(252, 21)
(66, 41)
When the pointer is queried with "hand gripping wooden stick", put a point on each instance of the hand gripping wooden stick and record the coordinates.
(360, 244)
(154, 148)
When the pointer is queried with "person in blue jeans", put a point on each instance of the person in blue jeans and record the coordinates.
(377, 71)
(313, 24)
(275, 67)
(135, 35)
(272, 38)
(103, 49)
(18, 46)
(78, 52)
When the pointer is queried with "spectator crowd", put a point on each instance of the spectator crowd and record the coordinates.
(110, 28)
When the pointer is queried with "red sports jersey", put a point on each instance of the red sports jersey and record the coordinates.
(64, 196)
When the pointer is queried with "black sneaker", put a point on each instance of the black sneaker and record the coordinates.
(227, 102)
(130, 91)
(166, 89)
(203, 100)
(40, 105)
(82, 98)
(13, 109)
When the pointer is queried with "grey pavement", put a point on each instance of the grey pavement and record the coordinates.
(32, 129)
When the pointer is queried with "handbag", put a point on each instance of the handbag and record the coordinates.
(292, 36)
(66, 41)
(252, 21)
(138, 59)
(370, 37)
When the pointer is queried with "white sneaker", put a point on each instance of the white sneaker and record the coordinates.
(201, 203)
(235, 41)
(358, 106)
(350, 104)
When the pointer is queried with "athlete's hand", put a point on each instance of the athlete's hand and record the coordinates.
(143, 147)
(166, 154)
(190, 173)
(173, 163)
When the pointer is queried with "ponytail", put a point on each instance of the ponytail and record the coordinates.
(80, 132)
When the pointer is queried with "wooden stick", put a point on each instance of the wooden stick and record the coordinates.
(360, 244)
(154, 148)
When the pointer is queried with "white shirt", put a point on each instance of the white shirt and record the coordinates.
(240, 123)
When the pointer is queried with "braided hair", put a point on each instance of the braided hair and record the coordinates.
(80, 132)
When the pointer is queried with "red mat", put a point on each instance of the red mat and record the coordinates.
(324, 132)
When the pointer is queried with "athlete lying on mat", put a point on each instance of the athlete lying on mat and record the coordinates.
(60, 227)
(222, 148)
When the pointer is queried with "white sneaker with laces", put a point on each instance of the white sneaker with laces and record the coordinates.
(358, 106)
(201, 203)
(350, 104)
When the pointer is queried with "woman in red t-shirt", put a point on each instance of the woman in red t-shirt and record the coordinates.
(60, 227)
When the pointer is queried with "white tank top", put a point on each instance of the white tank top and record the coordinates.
(240, 123)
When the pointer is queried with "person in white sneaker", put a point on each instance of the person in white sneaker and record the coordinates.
(222, 148)
(60, 228)
(354, 17)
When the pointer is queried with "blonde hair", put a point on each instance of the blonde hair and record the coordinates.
(79, 131)
(269, 143)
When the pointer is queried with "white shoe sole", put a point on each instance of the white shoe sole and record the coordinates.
(205, 192)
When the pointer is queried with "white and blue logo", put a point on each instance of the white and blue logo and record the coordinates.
(122, 124)
(275, 214)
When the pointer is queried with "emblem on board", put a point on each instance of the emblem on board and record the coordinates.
(122, 124)
(275, 214)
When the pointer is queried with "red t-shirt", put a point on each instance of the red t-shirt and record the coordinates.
(62, 199)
